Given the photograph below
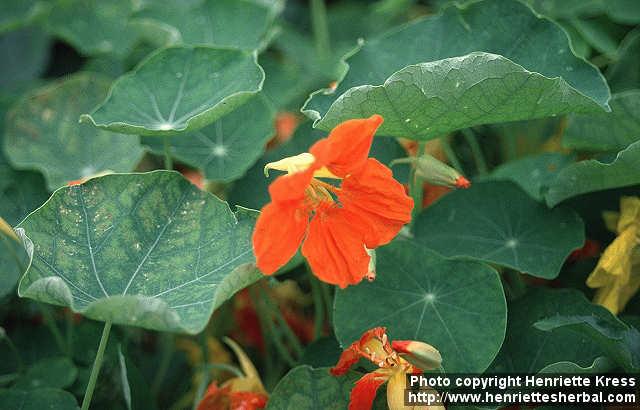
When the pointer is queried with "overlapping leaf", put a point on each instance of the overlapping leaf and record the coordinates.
(14, 14)
(179, 89)
(243, 24)
(24, 55)
(606, 131)
(43, 133)
(592, 175)
(38, 399)
(147, 250)
(622, 75)
(498, 222)
(427, 100)
(533, 173)
(94, 26)
(225, 149)
(528, 350)
(526, 43)
(455, 305)
(307, 388)
(620, 341)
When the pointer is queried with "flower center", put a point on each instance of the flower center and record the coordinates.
(320, 193)
(380, 352)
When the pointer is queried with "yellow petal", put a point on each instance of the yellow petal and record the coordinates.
(252, 380)
(291, 165)
(395, 393)
(611, 219)
(615, 260)
(617, 275)
(629, 212)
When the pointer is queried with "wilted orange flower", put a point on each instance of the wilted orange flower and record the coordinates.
(238, 393)
(339, 225)
(394, 362)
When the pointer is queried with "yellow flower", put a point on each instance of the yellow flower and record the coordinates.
(617, 275)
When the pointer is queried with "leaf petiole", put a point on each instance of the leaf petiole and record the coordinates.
(97, 365)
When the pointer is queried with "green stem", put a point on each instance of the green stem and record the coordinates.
(264, 329)
(416, 185)
(97, 364)
(318, 307)
(320, 27)
(168, 161)
(451, 155)
(165, 361)
(269, 331)
(222, 366)
(476, 151)
(286, 329)
(53, 328)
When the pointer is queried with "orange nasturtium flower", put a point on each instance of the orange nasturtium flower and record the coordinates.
(339, 225)
(394, 362)
(238, 393)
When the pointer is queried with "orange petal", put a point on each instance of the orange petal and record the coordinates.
(348, 358)
(334, 249)
(364, 392)
(347, 147)
(278, 234)
(291, 187)
(375, 203)
(244, 400)
(215, 398)
(353, 353)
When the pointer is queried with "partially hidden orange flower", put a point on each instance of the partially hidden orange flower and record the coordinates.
(338, 226)
(238, 393)
(394, 360)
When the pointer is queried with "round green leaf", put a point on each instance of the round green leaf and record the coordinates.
(94, 26)
(179, 89)
(534, 173)
(46, 398)
(307, 388)
(529, 350)
(457, 306)
(604, 131)
(241, 24)
(56, 372)
(428, 100)
(225, 149)
(507, 28)
(148, 250)
(43, 133)
(498, 222)
(592, 175)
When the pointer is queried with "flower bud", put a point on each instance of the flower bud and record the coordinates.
(435, 172)
(419, 354)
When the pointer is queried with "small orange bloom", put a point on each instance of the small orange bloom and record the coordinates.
(394, 362)
(238, 393)
(338, 225)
